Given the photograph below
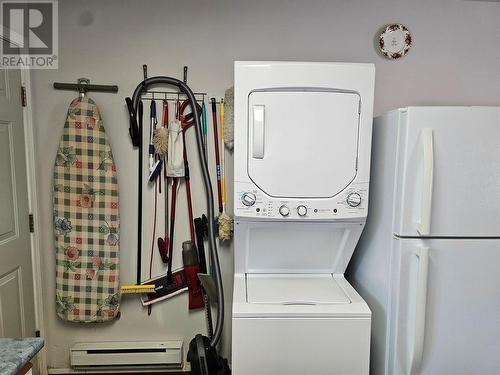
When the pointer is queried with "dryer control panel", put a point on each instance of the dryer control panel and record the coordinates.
(250, 202)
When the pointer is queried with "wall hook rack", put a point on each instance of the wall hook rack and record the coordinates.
(83, 86)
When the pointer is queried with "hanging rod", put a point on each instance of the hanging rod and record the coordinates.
(172, 96)
(173, 100)
(83, 85)
(175, 94)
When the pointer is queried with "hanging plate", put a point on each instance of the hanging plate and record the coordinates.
(395, 41)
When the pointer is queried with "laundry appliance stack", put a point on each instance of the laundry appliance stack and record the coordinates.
(301, 169)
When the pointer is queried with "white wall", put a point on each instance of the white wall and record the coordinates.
(455, 60)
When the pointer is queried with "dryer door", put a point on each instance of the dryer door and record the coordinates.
(302, 143)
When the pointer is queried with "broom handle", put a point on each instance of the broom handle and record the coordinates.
(217, 157)
(188, 189)
(139, 198)
(222, 157)
(204, 127)
(165, 177)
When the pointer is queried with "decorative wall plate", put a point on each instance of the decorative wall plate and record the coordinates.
(395, 41)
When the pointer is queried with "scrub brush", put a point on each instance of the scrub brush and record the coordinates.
(225, 222)
(160, 141)
(229, 120)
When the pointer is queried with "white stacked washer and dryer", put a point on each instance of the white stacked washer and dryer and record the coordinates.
(302, 166)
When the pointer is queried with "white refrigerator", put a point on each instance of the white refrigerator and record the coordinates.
(428, 262)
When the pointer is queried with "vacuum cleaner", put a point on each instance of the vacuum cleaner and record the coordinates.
(202, 352)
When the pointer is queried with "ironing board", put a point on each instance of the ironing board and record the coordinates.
(86, 219)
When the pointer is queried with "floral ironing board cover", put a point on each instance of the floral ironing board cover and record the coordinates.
(86, 219)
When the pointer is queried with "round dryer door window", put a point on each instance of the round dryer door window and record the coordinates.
(302, 143)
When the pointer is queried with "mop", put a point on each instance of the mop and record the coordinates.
(225, 222)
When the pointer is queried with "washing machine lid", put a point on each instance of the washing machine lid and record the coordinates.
(294, 289)
(303, 143)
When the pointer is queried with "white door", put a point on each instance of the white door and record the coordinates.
(449, 172)
(302, 144)
(17, 317)
(445, 313)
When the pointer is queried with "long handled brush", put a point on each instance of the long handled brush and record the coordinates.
(225, 222)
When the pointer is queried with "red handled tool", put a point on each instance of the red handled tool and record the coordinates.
(163, 243)
(171, 237)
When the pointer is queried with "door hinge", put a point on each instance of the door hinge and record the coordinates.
(32, 223)
(24, 100)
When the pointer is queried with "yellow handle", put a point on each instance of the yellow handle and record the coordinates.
(148, 288)
(223, 177)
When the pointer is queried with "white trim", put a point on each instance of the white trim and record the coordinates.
(31, 178)
(6, 33)
(29, 144)
(56, 371)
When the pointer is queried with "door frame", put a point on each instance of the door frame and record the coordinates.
(31, 176)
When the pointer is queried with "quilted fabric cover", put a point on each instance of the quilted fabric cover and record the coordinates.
(86, 219)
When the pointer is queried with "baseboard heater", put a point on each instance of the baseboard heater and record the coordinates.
(127, 354)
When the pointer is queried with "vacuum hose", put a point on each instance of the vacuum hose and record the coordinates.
(134, 131)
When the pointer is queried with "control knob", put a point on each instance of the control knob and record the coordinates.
(248, 199)
(354, 199)
(302, 210)
(284, 210)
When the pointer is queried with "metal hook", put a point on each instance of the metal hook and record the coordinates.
(82, 82)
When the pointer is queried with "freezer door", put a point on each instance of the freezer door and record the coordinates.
(303, 143)
(448, 172)
(445, 307)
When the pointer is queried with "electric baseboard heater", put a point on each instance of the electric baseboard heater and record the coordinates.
(127, 354)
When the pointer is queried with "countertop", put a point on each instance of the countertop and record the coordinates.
(15, 353)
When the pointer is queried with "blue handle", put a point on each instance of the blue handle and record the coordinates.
(152, 109)
(204, 118)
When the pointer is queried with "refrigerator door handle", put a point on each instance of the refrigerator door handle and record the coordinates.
(422, 254)
(424, 222)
